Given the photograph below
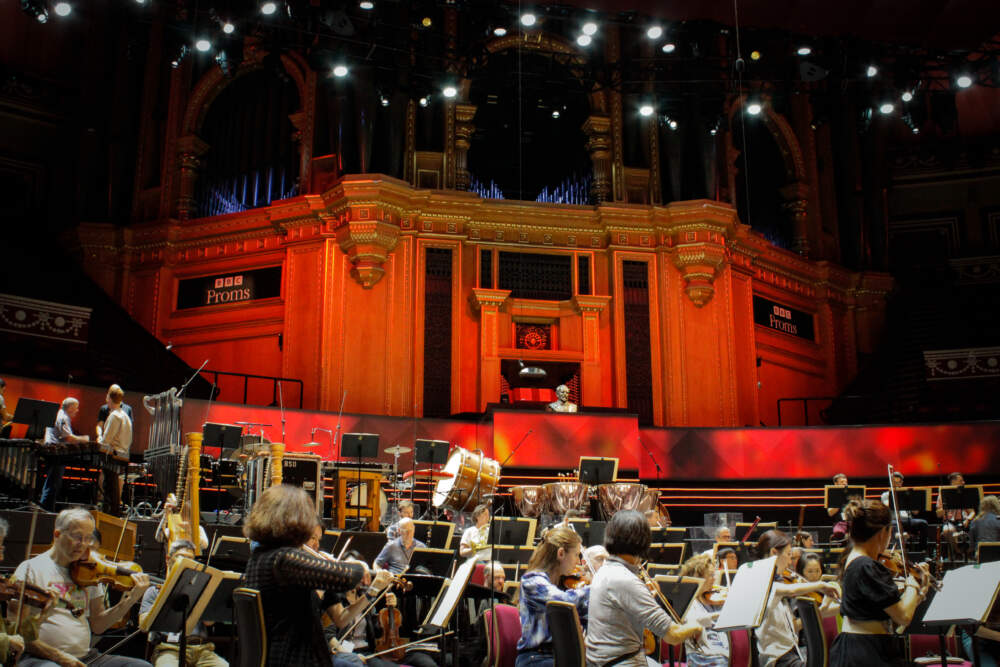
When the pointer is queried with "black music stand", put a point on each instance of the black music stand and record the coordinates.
(220, 606)
(223, 436)
(38, 415)
(359, 446)
(437, 561)
(513, 531)
(679, 591)
(838, 496)
(597, 470)
(368, 544)
(439, 533)
(961, 497)
(174, 608)
(432, 452)
(911, 499)
(591, 532)
(669, 553)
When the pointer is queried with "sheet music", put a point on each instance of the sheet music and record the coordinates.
(748, 595)
(453, 594)
(966, 595)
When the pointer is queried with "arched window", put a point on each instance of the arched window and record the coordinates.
(252, 158)
(761, 166)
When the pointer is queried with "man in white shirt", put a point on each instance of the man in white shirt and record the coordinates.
(59, 434)
(64, 639)
(475, 538)
(115, 439)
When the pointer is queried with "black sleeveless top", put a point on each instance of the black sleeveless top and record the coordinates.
(868, 588)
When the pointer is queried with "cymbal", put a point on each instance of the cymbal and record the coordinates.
(397, 449)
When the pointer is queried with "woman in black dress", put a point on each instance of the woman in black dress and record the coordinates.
(287, 577)
(871, 598)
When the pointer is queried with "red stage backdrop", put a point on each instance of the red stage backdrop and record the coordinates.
(559, 440)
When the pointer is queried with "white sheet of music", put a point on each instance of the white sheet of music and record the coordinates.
(748, 595)
(454, 593)
(966, 595)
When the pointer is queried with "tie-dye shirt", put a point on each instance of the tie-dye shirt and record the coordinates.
(535, 591)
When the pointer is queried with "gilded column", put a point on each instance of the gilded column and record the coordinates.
(590, 308)
(599, 146)
(190, 150)
(489, 302)
(464, 127)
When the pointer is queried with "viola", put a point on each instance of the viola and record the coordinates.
(92, 571)
(35, 596)
(389, 620)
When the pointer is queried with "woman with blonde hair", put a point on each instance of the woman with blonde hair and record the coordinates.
(986, 526)
(711, 648)
(282, 520)
(557, 555)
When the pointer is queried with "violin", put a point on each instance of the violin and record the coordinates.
(715, 596)
(389, 620)
(92, 571)
(35, 596)
(792, 577)
(894, 563)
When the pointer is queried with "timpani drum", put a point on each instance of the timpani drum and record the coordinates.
(650, 500)
(473, 477)
(618, 496)
(567, 496)
(531, 501)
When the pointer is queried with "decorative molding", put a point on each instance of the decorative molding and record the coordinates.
(962, 364)
(367, 243)
(44, 319)
(488, 298)
(976, 270)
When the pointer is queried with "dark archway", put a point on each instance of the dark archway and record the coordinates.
(761, 164)
(528, 121)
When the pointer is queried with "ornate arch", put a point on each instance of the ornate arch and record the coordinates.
(788, 143)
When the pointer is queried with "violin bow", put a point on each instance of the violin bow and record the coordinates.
(24, 582)
(899, 524)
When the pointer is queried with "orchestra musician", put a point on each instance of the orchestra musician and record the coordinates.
(11, 644)
(804, 539)
(840, 526)
(476, 536)
(63, 638)
(283, 519)
(870, 597)
(113, 400)
(956, 521)
(199, 651)
(395, 555)
(494, 576)
(556, 556)
(596, 555)
(61, 433)
(722, 535)
(986, 526)
(710, 648)
(406, 510)
(621, 606)
(911, 524)
(810, 568)
(726, 559)
(162, 533)
(115, 438)
(777, 636)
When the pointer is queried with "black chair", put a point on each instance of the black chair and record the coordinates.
(567, 634)
(817, 652)
(250, 631)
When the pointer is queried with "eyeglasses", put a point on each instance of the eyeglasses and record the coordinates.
(80, 537)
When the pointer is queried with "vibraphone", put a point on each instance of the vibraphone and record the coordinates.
(23, 461)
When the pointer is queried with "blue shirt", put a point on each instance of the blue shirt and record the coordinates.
(535, 591)
(395, 557)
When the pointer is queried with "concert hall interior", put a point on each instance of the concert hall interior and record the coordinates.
(462, 289)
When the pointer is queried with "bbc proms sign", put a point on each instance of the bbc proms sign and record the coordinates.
(229, 288)
(780, 317)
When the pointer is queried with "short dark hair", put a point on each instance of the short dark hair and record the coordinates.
(627, 533)
(806, 558)
(953, 475)
(772, 539)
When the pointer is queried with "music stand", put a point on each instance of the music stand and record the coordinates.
(513, 555)
(988, 552)
(961, 497)
(232, 551)
(38, 415)
(219, 607)
(439, 533)
(431, 452)
(748, 595)
(597, 470)
(666, 553)
(912, 499)
(514, 531)
(437, 561)
(836, 496)
(590, 532)
(967, 597)
(366, 543)
(668, 535)
(679, 591)
(223, 436)
(359, 446)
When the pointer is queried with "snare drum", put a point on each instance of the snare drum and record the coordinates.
(473, 476)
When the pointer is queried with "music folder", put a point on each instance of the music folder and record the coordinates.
(748, 596)
(961, 497)
(187, 591)
(836, 497)
(679, 591)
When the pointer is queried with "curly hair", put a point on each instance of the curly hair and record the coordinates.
(697, 566)
(283, 516)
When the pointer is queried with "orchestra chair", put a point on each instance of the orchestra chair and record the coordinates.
(567, 634)
(739, 648)
(830, 629)
(925, 650)
(478, 576)
(987, 552)
(817, 651)
(250, 630)
(501, 639)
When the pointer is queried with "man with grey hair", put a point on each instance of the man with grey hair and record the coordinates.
(395, 555)
(64, 639)
(60, 434)
(561, 404)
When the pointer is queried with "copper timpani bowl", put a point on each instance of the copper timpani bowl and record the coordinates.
(567, 496)
(618, 496)
(650, 500)
(531, 501)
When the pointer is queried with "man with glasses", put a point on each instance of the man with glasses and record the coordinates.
(64, 639)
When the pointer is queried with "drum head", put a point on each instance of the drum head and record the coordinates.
(444, 486)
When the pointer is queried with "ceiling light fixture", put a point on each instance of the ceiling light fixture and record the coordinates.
(528, 19)
(584, 40)
(964, 81)
(268, 8)
(62, 8)
(340, 71)
(669, 47)
(589, 28)
(754, 108)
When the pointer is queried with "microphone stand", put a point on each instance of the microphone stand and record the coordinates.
(193, 376)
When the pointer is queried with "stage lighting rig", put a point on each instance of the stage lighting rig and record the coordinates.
(36, 10)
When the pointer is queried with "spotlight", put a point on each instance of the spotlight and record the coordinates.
(499, 31)
(713, 131)
(36, 10)
(424, 101)
(340, 71)
(555, 113)
(203, 45)
(384, 100)
(140, 2)
(528, 19)
(426, 21)
(886, 108)
(449, 91)
(754, 108)
(646, 110)
(181, 54)
(530, 371)
(804, 50)
(223, 62)
(755, 55)
(907, 96)
(654, 32)
(672, 124)
(872, 71)
(62, 8)
(584, 40)
(268, 8)
(669, 47)
(915, 130)
(366, 4)
(964, 81)
(589, 28)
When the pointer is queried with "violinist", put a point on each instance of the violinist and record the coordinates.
(986, 526)
(344, 609)
(200, 652)
(711, 648)
(777, 636)
(810, 569)
(621, 606)
(556, 556)
(840, 527)
(63, 638)
(12, 645)
(871, 597)
(281, 521)
(911, 524)
(596, 555)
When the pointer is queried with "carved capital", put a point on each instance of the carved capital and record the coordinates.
(482, 297)
(367, 243)
(699, 265)
(590, 303)
(698, 232)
